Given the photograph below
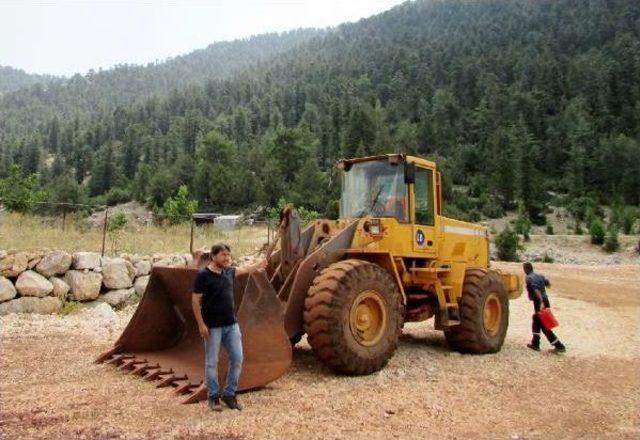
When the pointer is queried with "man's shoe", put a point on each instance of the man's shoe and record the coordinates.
(214, 404)
(559, 348)
(232, 402)
(534, 347)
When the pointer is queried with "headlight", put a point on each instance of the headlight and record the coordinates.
(374, 227)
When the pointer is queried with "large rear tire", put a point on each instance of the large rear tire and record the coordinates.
(484, 314)
(353, 316)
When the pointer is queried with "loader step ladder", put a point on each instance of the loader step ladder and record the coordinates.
(451, 307)
(449, 314)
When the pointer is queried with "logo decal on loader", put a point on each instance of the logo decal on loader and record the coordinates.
(419, 236)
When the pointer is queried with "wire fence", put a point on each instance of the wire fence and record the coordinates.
(101, 228)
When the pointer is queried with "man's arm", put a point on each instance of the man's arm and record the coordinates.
(539, 296)
(196, 304)
(248, 268)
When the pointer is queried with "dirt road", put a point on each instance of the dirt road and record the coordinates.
(50, 388)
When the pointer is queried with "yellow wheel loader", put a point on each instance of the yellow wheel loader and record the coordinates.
(349, 284)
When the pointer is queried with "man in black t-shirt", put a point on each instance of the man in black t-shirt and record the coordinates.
(212, 302)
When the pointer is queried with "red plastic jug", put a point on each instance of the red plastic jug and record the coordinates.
(547, 319)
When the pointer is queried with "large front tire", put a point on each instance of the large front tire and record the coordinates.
(484, 314)
(353, 316)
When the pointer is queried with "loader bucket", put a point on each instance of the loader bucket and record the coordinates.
(162, 342)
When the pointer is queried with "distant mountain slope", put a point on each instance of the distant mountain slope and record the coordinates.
(13, 79)
(32, 100)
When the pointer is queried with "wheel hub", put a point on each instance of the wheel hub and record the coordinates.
(492, 314)
(368, 317)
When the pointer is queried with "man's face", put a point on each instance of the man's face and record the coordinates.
(222, 258)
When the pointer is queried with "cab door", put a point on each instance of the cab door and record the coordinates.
(424, 212)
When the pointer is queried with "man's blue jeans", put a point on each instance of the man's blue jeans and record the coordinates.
(231, 339)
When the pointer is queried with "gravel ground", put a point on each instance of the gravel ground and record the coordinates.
(49, 388)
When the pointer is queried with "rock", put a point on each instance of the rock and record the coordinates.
(14, 264)
(142, 267)
(140, 285)
(84, 286)
(7, 290)
(33, 261)
(173, 260)
(30, 304)
(118, 297)
(60, 288)
(118, 274)
(98, 311)
(86, 260)
(54, 263)
(31, 283)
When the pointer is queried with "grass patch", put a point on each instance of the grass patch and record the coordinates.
(69, 307)
(28, 232)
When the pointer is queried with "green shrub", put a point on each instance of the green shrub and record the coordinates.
(582, 208)
(549, 229)
(306, 215)
(508, 244)
(597, 232)
(20, 192)
(117, 195)
(474, 215)
(578, 229)
(179, 208)
(611, 243)
(117, 221)
(332, 210)
(628, 217)
(491, 208)
(523, 226)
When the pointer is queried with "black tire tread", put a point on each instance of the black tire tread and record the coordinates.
(468, 336)
(323, 309)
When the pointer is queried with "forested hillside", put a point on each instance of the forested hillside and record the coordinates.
(83, 96)
(13, 79)
(522, 102)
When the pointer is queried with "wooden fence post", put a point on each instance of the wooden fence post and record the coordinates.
(104, 228)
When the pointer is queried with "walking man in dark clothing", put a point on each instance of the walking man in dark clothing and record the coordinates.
(212, 303)
(536, 288)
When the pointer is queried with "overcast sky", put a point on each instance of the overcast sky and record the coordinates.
(64, 37)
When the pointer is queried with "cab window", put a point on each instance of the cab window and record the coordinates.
(424, 206)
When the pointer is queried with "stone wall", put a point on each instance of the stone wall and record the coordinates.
(41, 281)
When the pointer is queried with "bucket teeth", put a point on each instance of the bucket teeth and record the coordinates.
(155, 373)
(141, 370)
(116, 359)
(186, 388)
(170, 380)
(108, 354)
(130, 364)
(197, 395)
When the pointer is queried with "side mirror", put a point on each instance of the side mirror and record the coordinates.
(409, 173)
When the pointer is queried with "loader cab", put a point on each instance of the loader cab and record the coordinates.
(401, 187)
(375, 188)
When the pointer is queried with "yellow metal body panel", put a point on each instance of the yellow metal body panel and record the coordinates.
(432, 257)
